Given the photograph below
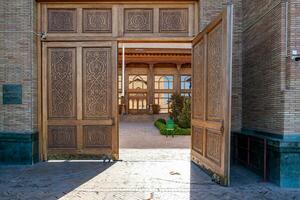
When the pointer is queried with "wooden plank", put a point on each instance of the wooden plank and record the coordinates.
(39, 85)
(115, 113)
(104, 122)
(208, 124)
(44, 100)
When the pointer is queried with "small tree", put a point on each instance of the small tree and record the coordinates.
(184, 119)
(176, 102)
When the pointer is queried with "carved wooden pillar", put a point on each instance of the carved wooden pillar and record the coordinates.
(126, 91)
(177, 79)
(151, 86)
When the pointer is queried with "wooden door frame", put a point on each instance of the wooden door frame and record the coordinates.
(43, 76)
(192, 5)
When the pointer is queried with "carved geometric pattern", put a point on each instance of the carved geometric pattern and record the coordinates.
(215, 75)
(62, 20)
(173, 20)
(62, 83)
(198, 81)
(96, 82)
(213, 146)
(62, 136)
(138, 20)
(197, 140)
(97, 136)
(97, 20)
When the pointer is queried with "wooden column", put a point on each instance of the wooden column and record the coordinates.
(126, 85)
(151, 85)
(177, 80)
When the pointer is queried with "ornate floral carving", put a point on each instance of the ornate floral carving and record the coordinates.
(173, 20)
(198, 81)
(213, 146)
(62, 20)
(62, 136)
(97, 20)
(97, 88)
(97, 136)
(138, 20)
(62, 83)
(197, 140)
(215, 75)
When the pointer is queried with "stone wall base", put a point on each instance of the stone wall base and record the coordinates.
(18, 148)
(282, 154)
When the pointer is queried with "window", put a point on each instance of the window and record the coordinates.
(164, 82)
(120, 82)
(119, 89)
(186, 94)
(185, 82)
(137, 101)
(185, 85)
(163, 100)
(137, 82)
(120, 98)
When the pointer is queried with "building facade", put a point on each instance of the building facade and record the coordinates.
(265, 80)
(152, 77)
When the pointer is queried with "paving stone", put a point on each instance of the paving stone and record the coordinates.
(152, 177)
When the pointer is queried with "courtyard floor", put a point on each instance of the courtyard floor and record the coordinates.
(144, 135)
(141, 174)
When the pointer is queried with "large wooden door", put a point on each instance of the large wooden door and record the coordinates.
(79, 97)
(211, 99)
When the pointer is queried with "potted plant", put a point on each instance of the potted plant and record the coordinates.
(155, 108)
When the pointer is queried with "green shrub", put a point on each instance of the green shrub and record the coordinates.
(176, 102)
(160, 124)
(161, 127)
(162, 121)
(184, 119)
(182, 131)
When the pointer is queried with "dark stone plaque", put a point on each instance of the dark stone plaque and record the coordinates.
(12, 94)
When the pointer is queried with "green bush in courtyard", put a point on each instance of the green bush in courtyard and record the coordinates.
(176, 102)
(184, 119)
(161, 125)
(162, 121)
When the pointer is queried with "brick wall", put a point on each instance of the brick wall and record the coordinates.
(263, 65)
(292, 75)
(210, 9)
(18, 63)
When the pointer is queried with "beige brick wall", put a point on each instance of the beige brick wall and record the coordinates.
(18, 63)
(210, 9)
(292, 75)
(263, 65)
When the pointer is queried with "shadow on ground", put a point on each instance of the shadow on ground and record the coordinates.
(160, 174)
(46, 180)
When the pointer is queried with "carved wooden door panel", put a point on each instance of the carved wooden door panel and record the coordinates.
(211, 99)
(79, 92)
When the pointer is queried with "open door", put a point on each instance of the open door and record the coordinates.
(79, 100)
(211, 97)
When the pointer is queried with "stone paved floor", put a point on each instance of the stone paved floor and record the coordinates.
(144, 135)
(143, 174)
(164, 173)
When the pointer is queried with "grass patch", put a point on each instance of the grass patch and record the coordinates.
(160, 124)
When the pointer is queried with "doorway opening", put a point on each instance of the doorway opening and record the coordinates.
(149, 74)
